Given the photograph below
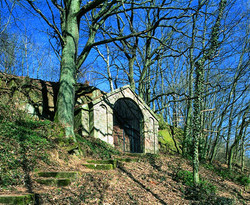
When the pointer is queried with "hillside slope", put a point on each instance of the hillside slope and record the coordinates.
(152, 180)
(28, 146)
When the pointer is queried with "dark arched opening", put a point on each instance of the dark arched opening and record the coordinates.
(128, 126)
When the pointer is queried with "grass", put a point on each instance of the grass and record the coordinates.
(23, 142)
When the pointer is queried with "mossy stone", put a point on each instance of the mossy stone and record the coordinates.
(99, 166)
(109, 161)
(12, 83)
(54, 182)
(35, 96)
(58, 174)
(166, 140)
(128, 159)
(17, 199)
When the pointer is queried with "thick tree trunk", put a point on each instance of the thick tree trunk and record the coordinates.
(145, 70)
(66, 95)
(142, 81)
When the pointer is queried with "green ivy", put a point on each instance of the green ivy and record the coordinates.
(203, 192)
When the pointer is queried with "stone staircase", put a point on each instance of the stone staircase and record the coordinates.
(101, 164)
(64, 178)
(112, 163)
(57, 179)
(20, 199)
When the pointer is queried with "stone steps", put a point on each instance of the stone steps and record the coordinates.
(108, 161)
(111, 163)
(57, 179)
(99, 166)
(135, 154)
(128, 159)
(58, 182)
(22, 199)
(63, 174)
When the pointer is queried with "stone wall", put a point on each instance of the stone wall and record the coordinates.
(34, 96)
(93, 109)
(38, 97)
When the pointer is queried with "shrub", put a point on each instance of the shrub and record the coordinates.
(202, 192)
(243, 180)
(184, 176)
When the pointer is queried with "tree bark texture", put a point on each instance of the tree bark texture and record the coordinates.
(66, 94)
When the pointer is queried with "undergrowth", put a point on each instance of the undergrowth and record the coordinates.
(204, 192)
(23, 142)
(95, 148)
(232, 175)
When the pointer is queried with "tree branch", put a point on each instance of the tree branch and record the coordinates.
(89, 6)
(38, 11)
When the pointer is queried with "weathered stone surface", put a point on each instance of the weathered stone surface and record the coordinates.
(58, 174)
(59, 182)
(39, 97)
(110, 161)
(99, 166)
(17, 199)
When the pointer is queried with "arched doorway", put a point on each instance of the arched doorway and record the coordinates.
(127, 126)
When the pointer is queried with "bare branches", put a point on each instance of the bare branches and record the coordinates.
(59, 7)
(90, 6)
(53, 26)
(8, 21)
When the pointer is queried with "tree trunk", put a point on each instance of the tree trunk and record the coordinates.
(244, 123)
(217, 138)
(232, 93)
(131, 72)
(142, 83)
(199, 89)
(187, 127)
(242, 157)
(197, 118)
(66, 94)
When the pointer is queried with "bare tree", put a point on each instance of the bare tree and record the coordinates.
(66, 27)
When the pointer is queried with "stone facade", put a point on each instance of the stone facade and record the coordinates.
(120, 117)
